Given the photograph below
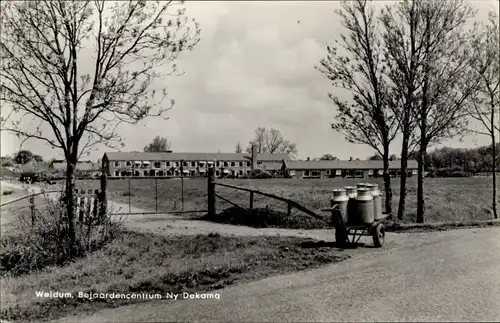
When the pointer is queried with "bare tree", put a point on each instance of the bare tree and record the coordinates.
(485, 105)
(158, 144)
(446, 79)
(403, 42)
(366, 120)
(45, 50)
(272, 141)
(238, 149)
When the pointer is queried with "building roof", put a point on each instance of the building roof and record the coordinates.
(346, 164)
(165, 156)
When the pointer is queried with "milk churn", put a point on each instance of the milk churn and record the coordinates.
(341, 199)
(351, 204)
(361, 185)
(351, 191)
(364, 206)
(377, 201)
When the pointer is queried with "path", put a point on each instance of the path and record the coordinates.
(449, 280)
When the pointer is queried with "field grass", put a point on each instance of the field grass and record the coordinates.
(447, 199)
(146, 263)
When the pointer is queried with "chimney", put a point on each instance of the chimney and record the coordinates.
(350, 158)
(308, 158)
(254, 157)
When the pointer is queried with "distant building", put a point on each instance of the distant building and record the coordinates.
(173, 164)
(82, 167)
(343, 168)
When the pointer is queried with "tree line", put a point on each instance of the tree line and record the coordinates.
(415, 71)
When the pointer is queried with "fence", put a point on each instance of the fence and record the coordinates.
(157, 195)
(248, 199)
(87, 201)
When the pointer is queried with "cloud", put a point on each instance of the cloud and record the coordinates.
(254, 66)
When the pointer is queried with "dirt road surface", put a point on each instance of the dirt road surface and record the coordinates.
(452, 278)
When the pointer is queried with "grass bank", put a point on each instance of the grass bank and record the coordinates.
(145, 263)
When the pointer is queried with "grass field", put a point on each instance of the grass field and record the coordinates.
(135, 263)
(447, 199)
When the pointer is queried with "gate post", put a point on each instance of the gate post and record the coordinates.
(104, 196)
(211, 192)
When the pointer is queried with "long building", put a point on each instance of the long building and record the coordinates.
(343, 168)
(173, 164)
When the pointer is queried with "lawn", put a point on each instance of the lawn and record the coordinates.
(135, 263)
(447, 199)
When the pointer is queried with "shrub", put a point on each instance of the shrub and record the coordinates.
(7, 192)
(46, 241)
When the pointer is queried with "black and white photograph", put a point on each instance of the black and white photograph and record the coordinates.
(250, 161)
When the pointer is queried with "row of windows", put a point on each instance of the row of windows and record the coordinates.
(177, 173)
(139, 164)
(349, 172)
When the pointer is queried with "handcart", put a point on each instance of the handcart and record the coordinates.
(357, 230)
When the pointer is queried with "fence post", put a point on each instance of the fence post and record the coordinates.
(129, 194)
(32, 209)
(104, 197)
(156, 194)
(182, 192)
(211, 192)
(289, 209)
(251, 200)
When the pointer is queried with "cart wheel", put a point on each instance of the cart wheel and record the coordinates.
(340, 236)
(379, 235)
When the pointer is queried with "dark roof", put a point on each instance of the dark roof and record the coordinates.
(161, 156)
(346, 164)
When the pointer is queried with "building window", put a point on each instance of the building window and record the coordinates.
(292, 173)
(145, 173)
(176, 173)
(117, 164)
(370, 172)
(137, 173)
(259, 162)
(249, 164)
(117, 173)
(233, 164)
(157, 164)
(241, 164)
(241, 173)
(129, 163)
(168, 164)
(359, 173)
(193, 164)
(217, 173)
(226, 164)
(217, 164)
(338, 172)
(306, 173)
(315, 173)
(185, 164)
(201, 164)
(328, 172)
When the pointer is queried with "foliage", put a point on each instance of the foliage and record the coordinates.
(158, 144)
(271, 141)
(328, 157)
(238, 149)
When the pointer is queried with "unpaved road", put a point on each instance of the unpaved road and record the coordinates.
(455, 278)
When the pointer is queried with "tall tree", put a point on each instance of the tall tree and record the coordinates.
(447, 80)
(365, 119)
(271, 141)
(485, 105)
(238, 149)
(157, 145)
(375, 156)
(403, 43)
(80, 68)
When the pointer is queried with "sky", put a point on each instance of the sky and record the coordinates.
(254, 66)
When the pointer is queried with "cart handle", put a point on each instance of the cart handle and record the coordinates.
(330, 209)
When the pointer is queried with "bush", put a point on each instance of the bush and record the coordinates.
(46, 242)
(7, 192)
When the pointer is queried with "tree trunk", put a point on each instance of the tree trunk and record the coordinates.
(404, 175)
(70, 207)
(494, 153)
(420, 181)
(387, 183)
